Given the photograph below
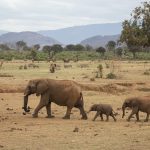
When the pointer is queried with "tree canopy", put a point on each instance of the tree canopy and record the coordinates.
(136, 30)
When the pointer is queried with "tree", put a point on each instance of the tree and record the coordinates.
(79, 47)
(33, 54)
(88, 47)
(119, 51)
(56, 48)
(70, 47)
(101, 50)
(136, 33)
(111, 45)
(47, 49)
(36, 47)
(20, 45)
(4, 47)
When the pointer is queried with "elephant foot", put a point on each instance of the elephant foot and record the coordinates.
(138, 121)
(34, 115)
(50, 116)
(66, 117)
(128, 120)
(84, 118)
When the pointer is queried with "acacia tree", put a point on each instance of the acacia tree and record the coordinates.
(101, 50)
(47, 49)
(136, 31)
(36, 47)
(4, 47)
(20, 45)
(111, 45)
(70, 47)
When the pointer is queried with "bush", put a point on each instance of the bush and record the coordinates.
(111, 76)
(146, 72)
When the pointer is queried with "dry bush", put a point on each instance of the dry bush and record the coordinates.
(5, 75)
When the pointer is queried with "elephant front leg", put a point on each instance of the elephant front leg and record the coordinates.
(137, 116)
(97, 114)
(35, 113)
(134, 111)
(67, 115)
(48, 109)
(101, 115)
(43, 102)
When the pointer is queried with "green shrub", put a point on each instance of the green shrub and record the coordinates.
(111, 76)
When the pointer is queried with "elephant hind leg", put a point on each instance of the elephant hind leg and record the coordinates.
(147, 117)
(82, 112)
(68, 112)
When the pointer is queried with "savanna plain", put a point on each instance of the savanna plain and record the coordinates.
(22, 132)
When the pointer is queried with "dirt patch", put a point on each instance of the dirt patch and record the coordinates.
(109, 88)
(11, 89)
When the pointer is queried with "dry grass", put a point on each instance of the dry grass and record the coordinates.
(23, 132)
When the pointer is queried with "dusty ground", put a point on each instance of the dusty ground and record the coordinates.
(24, 132)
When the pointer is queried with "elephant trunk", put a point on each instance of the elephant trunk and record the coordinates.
(26, 95)
(123, 110)
(26, 109)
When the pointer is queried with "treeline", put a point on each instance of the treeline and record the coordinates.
(134, 39)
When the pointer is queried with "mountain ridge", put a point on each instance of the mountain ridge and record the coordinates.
(76, 34)
(29, 37)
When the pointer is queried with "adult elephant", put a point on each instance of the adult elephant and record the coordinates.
(137, 104)
(62, 92)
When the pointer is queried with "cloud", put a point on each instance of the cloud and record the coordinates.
(19, 15)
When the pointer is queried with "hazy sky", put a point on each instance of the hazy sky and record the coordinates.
(20, 15)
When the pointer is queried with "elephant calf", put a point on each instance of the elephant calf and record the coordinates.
(102, 109)
(62, 92)
(137, 104)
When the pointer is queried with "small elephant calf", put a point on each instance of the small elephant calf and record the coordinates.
(102, 109)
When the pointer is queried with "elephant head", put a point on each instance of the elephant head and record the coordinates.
(131, 102)
(34, 86)
(94, 107)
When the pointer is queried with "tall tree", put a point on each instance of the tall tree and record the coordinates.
(136, 30)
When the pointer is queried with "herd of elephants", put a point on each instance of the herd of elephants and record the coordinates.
(68, 93)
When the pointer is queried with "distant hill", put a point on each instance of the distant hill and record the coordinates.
(98, 41)
(3, 32)
(76, 34)
(30, 38)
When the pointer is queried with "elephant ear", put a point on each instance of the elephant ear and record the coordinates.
(98, 108)
(134, 103)
(42, 87)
